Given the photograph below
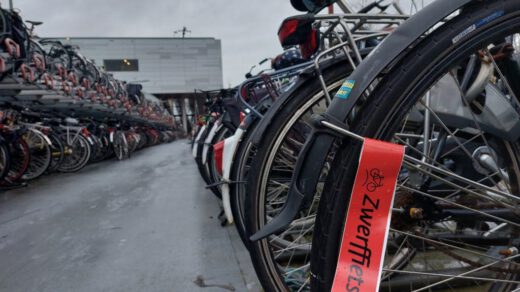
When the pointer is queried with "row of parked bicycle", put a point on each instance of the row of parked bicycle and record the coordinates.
(284, 151)
(59, 111)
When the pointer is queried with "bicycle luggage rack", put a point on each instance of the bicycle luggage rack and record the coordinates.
(347, 30)
(263, 80)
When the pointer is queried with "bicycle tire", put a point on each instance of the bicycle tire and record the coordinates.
(301, 100)
(20, 159)
(199, 146)
(120, 145)
(5, 160)
(379, 114)
(79, 157)
(237, 191)
(57, 152)
(40, 153)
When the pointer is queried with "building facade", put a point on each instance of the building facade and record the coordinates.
(169, 68)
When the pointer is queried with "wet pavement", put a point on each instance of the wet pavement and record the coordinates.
(144, 224)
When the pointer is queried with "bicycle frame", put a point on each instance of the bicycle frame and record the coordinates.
(328, 125)
(73, 132)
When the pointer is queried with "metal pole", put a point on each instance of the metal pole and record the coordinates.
(184, 116)
(11, 5)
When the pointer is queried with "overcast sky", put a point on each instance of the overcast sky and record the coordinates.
(247, 28)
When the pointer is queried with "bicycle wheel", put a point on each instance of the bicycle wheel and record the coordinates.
(40, 153)
(214, 175)
(239, 173)
(281, 261)
(99, 150)
(57, 152)
(107, 147)
(454, 218)
(120, 145)
(132, 142)
(198, 157)
(195, 139)
(20, 158)
(78, 153)
(5, 160)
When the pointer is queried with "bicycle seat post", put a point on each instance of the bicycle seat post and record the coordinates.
(33, 24)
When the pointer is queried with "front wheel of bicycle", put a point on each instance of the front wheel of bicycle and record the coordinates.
(455, 219)
(120, 145)
(40, 153)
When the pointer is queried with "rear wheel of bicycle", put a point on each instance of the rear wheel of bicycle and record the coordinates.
(77, 152)
(282, 261)
(239, 173)
(455, 217)
(5, 160)
(40, 153)
(20, 158)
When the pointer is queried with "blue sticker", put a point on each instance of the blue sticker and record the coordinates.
(489, 18)
(478, 24)
(345, 89)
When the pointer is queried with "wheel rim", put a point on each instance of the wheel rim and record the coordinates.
(288, 260)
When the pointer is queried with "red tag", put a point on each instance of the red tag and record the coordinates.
(368, 219)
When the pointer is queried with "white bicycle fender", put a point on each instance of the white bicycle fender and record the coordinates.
(228, 155)
(112, 137)
(197, 139)
(47, 140)
(207, 142)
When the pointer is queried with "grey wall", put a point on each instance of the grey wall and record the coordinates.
(172, 65)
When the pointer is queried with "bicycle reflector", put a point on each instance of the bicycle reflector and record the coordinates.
(299, 31)
(218, 152)
(85, 132)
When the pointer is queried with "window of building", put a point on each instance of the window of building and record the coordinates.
(117, 65)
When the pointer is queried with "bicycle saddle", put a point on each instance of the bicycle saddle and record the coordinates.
(71, 121)
(35, 23)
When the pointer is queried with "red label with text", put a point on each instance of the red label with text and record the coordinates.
(368, 219)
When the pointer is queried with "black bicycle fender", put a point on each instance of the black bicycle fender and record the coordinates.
(301, 189)
(308, 167)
